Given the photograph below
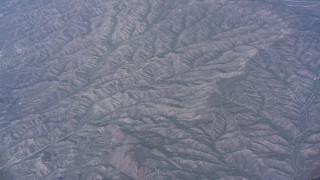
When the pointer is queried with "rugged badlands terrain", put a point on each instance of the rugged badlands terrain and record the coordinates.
(159, 89)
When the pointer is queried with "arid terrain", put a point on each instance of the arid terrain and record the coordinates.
(159, 90)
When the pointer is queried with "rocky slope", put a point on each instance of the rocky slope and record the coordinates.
(142, 89)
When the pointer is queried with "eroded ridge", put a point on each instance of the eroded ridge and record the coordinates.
(158, 90)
